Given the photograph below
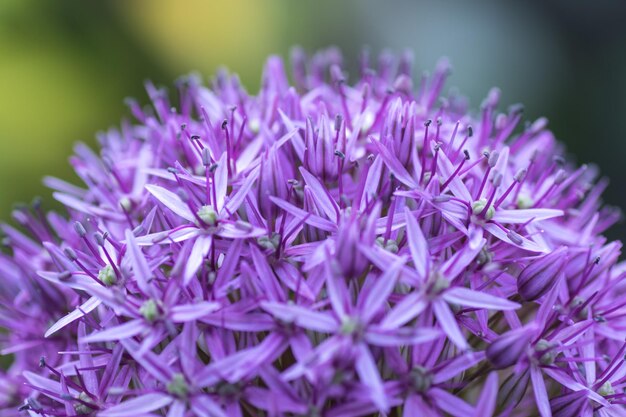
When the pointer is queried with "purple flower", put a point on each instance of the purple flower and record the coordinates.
(333, 248)
(541, 275)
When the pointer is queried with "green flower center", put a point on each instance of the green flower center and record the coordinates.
(208, 215)
(81, 407)
(478, 207)
(149, 310)
(178, 386)
(107, 276)
(421, 379)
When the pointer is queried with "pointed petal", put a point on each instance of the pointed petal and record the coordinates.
(141, 270)
(406, 310)
(308, 218)
(372, 181)
(205, 406)
(167, 237)
(239, 230)
(177, 409)
(458, 365)
(236, 199)
(376, 298)
(417, 245)
(450, 403)
(321, 195)
(487, 401)
(189, 312)
(522, 243)
(456, 185)
(404, 336)
(370, 377)
(448, 324)
(541, 394)
(416, 406)
(221, 182)
(458, 262)
(150, 361)
(119, 332)
(525, 215)
(302, 317)
(138, 406)
(85, 308)
(200, 249)
(336, 287)
(477, 299)
(394, 165)
(171, 201)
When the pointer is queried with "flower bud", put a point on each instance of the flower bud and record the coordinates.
(540, 275)
(508, 348)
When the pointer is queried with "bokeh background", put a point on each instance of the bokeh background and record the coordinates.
(66, 66)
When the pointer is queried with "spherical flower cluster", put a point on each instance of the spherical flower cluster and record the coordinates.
(319, 249)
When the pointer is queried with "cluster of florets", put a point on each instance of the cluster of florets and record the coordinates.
(319, 249)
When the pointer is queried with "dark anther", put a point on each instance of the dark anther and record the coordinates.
(69, 252)
(37, 202)
(80, 229)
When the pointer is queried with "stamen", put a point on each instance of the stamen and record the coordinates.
(228, 145)
(456, 171)
(516, 180)
(425, 145)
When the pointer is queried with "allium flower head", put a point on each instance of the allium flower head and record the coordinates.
(340, 246)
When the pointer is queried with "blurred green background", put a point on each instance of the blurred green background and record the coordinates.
(66, 66)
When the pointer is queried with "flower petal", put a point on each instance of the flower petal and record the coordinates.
(85, 308)
(448, 323)
(189, 312)
(141, 270)
(541, 394)
(302, 317)
(200, 250)
(477, 299)
(370, 377)
(404, 336)
(171, 201)
(321, 195)
(417, 245)
(308, 218)
(406, 310)
(487, 401)
(221, 182)
(377, 295)
(119, 332)
(450, 403)
(525, 215)
(138, 405)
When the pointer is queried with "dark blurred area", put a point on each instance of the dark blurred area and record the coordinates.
(66, 66)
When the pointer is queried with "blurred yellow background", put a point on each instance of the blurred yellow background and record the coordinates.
(67, 65)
